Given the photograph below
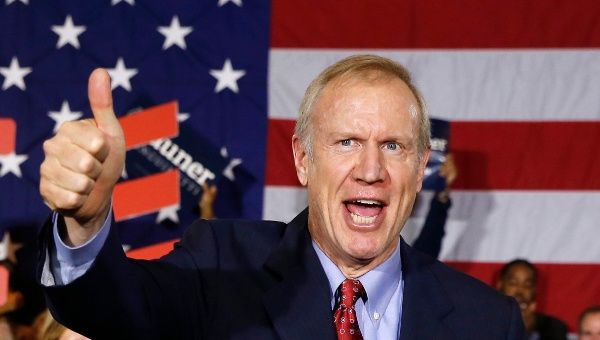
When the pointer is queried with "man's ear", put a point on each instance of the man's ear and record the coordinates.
(300, 160)
(422, 166)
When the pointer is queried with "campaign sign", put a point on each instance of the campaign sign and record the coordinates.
(440, 146)
(196, 159)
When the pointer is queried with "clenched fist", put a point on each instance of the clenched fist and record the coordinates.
(82, 163)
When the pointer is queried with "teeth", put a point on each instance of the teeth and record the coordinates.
(371, 202)
(362, 219)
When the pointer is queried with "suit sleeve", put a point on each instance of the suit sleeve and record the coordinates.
(433, 231)
(516, 330)
(120, 298)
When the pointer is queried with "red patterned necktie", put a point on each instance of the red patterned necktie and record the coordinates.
(344, 316)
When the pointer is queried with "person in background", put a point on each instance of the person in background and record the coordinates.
(6, 332)
(518, 278)
(207, 200)
(433, 231)
(46, 328)
(13, 302)
(589, 323)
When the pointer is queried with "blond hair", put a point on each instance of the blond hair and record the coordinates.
(369, 67)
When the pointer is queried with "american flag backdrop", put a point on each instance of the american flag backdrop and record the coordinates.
(210, 57)
(518, 80)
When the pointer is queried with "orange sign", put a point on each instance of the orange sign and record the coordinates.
(143, 127)
(4, 276)
(8, 134)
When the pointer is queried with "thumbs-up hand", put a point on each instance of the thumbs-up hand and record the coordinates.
(82, 164)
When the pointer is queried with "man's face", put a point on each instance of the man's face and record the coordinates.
(590, 327)
(519, 283)
(365, 173)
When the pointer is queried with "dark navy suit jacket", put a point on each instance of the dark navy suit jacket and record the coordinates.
(230, 279)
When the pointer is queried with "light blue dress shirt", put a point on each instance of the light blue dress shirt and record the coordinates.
(379, 317)
(69, 263)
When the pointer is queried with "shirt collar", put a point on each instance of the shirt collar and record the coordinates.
(380, 282)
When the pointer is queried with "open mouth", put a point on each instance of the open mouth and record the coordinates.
(364, 211)
(523, 303)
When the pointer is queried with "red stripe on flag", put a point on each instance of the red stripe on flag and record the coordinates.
(280, 161)
(564, 290)
(526, 155)
(145, 195)
(148, 125)
(434, 24)
(153, 251)
(489, 155)
(8, 135)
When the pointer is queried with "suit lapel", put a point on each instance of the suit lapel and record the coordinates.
(298, 301)
(425, 303)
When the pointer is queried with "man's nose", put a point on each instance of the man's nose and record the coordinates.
(370, 167)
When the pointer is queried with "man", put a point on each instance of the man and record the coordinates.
(518, 279)
(360, 148)
(589, 323)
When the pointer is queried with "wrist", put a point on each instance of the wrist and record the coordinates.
(76, 232)
(443, 196)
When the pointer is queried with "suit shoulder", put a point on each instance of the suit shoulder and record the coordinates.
(550, 327)
(467, 289)
(247, 237)
(223, 228)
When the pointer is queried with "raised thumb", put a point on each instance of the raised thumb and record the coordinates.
(101, 102)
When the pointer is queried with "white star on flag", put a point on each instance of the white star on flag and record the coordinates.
(131, 2)
(169, 213)
(175, 34)
(120, 75)
(237, 2)
(8, 248)
(182, 117)
(4, 246)
(228, 171)
(26, 2)
(68, 33)
(64, 115)
(227, 77)
(14, 74)
(11, 163)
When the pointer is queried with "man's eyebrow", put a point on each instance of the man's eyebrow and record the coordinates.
(402, 139)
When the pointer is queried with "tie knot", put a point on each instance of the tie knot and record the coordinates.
(350, 291)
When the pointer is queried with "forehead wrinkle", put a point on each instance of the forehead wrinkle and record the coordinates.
(333, 100)
(366, 129)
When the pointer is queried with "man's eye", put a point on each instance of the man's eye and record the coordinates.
(392, 146)
(346, 142)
